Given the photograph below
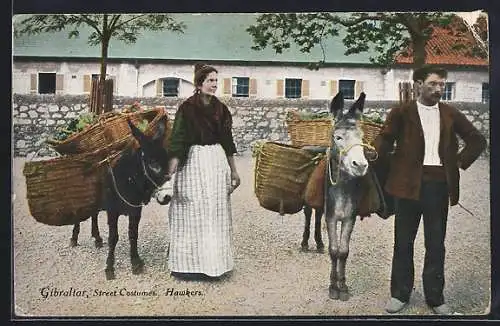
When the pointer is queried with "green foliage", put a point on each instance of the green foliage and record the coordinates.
(307, 115)
(387, 33)
(372, 117)
(75, 125)
(142, 125)
(123, 27)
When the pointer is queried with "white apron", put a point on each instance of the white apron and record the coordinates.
(200, 221)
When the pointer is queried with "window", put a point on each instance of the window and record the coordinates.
(240, 86)
(46, 83)
(449, 92)
(485, 94)
(293, 88)
(346, 86)
(171, 87)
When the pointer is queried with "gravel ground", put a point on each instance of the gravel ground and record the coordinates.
(272, 277)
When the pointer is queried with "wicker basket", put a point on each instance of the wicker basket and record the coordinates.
(281, 175)
(309, 132)
(370, 130)
(67, 190)
(110, 127)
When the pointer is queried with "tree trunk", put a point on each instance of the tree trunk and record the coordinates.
(419, 54)
(104, 57)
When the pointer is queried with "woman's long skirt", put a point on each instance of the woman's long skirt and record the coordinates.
(200, 220)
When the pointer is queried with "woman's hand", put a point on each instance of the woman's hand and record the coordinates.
(235, 180)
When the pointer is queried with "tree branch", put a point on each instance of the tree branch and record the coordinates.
(125, 22)
(89, 21)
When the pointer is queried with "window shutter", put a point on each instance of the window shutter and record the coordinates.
(279, 87)
(305, 88)
(253, 87)
(360, 87)
(226, 87)
(33, 84)
(159, 87)
(334, 88)
(59, 83)
(86, 83)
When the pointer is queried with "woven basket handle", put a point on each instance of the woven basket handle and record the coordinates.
(41, 147)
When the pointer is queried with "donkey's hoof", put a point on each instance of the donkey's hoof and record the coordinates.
(320, 248)
(73, 242)
(304, 247)
(344, 295)
(333, 293)
(110, 274)
(137, 266)
(98, 243)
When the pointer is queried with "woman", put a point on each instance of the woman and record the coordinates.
(202, 148)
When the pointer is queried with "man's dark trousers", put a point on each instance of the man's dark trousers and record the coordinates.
(433, 206)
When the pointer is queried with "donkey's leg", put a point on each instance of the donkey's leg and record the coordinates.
(112, 240)
(320, 246)
(73, 242)
(345, 238)
(133, 234)
(305, 236)
(95, 231)
(331, 224)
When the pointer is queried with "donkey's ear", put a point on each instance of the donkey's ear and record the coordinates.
(357, 107)
(337, 105)
(160, 130)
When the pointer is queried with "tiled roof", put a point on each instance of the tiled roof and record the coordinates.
(442, 49)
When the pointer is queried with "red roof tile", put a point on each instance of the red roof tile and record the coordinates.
(440, 50)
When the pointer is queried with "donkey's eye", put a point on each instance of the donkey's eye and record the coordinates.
(338, 138)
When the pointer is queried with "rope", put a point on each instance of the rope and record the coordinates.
(146, 173)
(343, 152)
(117, 191)
(465, 209)
(116, 186)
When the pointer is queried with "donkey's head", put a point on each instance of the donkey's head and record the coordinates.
(150, 161)
(347, 137)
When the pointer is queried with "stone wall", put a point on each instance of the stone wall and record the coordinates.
(36, 117)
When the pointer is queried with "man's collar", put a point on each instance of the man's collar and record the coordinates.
(427, 107)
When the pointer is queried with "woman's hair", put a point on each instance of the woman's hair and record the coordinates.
(200, 73)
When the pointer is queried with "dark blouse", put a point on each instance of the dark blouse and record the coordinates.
(199, 124)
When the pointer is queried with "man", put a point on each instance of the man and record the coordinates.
(423, 178)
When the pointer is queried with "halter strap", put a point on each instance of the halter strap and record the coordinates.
(341, 153)
(116, 186)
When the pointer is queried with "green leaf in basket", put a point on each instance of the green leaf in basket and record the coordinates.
(373, 117)
(307, 115)
(143, 125)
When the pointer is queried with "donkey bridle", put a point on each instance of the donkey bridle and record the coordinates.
(157, 187)
(341, 153)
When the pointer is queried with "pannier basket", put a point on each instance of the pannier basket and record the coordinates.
(370, 130)
(281, 175)
(110, 127)
(67, 189)
(314, 132)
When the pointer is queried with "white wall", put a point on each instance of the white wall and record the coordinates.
(468, 84)
(139, 80)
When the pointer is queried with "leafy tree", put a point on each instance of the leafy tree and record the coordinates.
(387, 33)
(104, 28)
